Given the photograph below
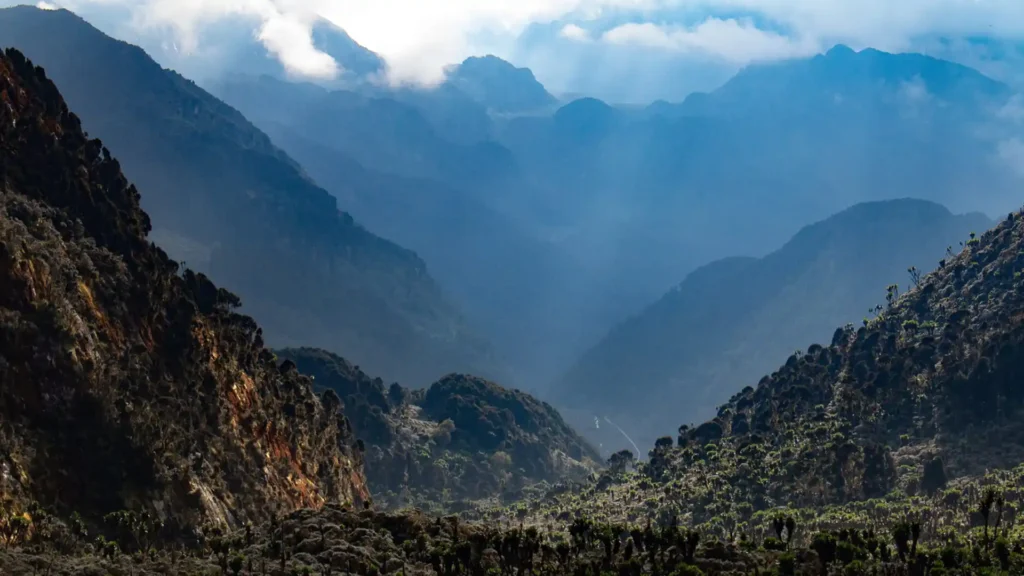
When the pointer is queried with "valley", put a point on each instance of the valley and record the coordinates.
(272, 325)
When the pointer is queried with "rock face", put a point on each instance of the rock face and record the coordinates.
(127, 383)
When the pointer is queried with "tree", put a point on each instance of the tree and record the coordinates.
(621, 461)
(824, 544)
(985, 508)
(396, 394)
(915, 275)
(934, 477)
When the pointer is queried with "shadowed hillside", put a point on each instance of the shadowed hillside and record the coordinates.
(731, 321)
(126, 384)
(459, 440)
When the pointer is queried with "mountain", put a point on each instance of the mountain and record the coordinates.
(500, 86)
(129, 383)
(654, 194)
(393, 172)
(379, 132)
(845, 77)
(729, 321)
(224, 199)
(461, 439)
(911, 417)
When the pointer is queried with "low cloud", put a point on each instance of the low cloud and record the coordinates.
(574, 32)
(731, 40)
(1011, 151)
(418, 38)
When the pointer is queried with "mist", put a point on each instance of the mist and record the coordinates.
(605, 159)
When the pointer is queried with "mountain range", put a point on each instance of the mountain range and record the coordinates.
(730, 321)
(147, 428)
(588, 213)
(225, 200)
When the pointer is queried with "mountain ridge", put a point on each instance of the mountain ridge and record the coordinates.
(728, 320)
(222, 194)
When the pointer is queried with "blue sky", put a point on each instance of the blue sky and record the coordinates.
(624, 50)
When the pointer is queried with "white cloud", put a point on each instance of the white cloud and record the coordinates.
(418, 38)
(574, 32)
(46, 6)
(731, 40)
(289, 39)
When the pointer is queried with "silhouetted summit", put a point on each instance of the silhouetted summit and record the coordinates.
(499, 85)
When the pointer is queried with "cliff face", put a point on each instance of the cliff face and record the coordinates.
(126, 384)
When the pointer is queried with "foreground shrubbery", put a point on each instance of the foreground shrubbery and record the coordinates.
(367, 542)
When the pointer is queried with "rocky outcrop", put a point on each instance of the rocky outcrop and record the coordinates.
(128, 383)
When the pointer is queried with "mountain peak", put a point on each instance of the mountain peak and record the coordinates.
(350, 55)
(840, 50)
(500, 85)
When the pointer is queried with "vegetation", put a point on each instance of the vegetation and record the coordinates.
(884, 426)
(147, 430)
(462, 439)
(128, 383)
(731, 321)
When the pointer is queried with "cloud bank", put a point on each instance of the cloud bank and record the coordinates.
(730, 40)
(418, 38)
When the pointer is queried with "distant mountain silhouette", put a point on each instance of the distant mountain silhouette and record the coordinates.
(742, 168)
(227, 201)
(380, 132)
(500, 86)
(630, 200)
(871, 79)
(730, 321)
(387, 166)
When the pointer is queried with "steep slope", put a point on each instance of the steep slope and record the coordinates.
(463, 438)
(379, 131)
(127, 385)
(915, 414)
(731, 320)
(230, 204)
